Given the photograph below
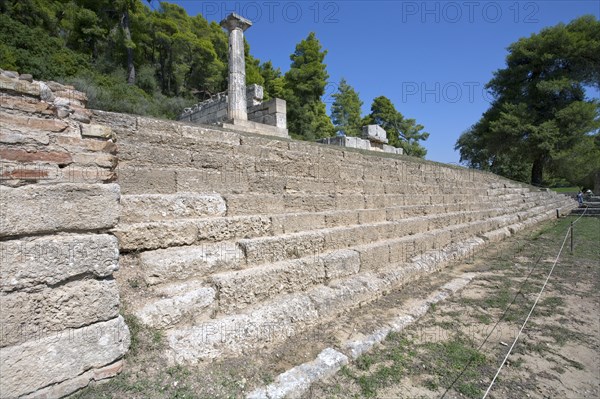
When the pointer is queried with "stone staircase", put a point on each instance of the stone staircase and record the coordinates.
(231, 242)
(590, 207)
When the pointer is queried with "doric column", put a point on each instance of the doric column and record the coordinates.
(236, 106)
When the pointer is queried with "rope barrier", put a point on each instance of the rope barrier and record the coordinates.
(531, 311)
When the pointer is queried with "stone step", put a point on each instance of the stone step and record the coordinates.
(178, 263)
(275, 301)
(182, 263)
(237, 290)
(171, 233)
(172, 304)
(280, 318)
(157, 207)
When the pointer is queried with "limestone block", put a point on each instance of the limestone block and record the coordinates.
(293, 223)
(341, 218)
(373, 256)
(24, 156)
(117, 121)
(144, 179)
(227, 228)
(249, 204)
(102, 160)
(76, 144)
(173, 264)
(350, 201)
(50, 208)
(25, 123)
(69, 386)
(367, 216)
(343, 294)
(157, 207)
(98, 131)
(240, 289)
(374, 133)
(20, 86)
(25, 104)
(341, 263)
(153, 235)
(289, 246)
(226, 180)
(39, 363)
(30, 262)
(296, 382)
(27, 316)
(308, 203)
(271, 322)
(181, 300)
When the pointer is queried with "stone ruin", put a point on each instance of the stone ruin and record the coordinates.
(240, 108)
(235, 241)
(373, 138)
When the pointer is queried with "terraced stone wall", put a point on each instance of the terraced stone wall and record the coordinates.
(231, 242)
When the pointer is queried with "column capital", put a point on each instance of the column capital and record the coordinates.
(235, 21)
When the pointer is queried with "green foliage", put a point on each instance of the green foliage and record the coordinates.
(401, 132)
(127, 57)
(304, 86)
(540, 113)
(345, 110)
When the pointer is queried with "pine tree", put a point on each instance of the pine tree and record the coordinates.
(401, 132)
(345, 110)
(305, 85)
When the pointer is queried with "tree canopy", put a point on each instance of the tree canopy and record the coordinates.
(346, 110)
(401, 132)
(540, 114)
(304, 87)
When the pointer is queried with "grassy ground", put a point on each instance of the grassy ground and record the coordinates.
(456, 347)
(455, 350)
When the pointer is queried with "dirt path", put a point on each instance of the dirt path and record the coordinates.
(456, 348)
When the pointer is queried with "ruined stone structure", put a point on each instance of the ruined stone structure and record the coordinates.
(373, 139)
(240, 108)
(59, 303)
(227, 241)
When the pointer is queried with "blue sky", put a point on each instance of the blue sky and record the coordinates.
(431, 58)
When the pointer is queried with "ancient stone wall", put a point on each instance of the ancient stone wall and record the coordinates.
(231, 241)
(59, 304)
(227, 241)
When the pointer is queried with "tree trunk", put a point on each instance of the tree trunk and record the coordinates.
(127, 31)
(537, 171)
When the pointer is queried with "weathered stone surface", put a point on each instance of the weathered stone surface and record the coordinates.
(74, 384)
(154, 235)
(239, 289)
(289, 246)
(227, 228)
(99, 131)
(49, 125)
(19, 155)
(341, 264)
(144, 179)
(179, 301)
(32, 315)
(156, 207)
(19, 86)
(295, 382)
(76, 144)
(50, 208)
(231, 335)
(181, 263)
(26, 104)
(47, 261)
(54, 359)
